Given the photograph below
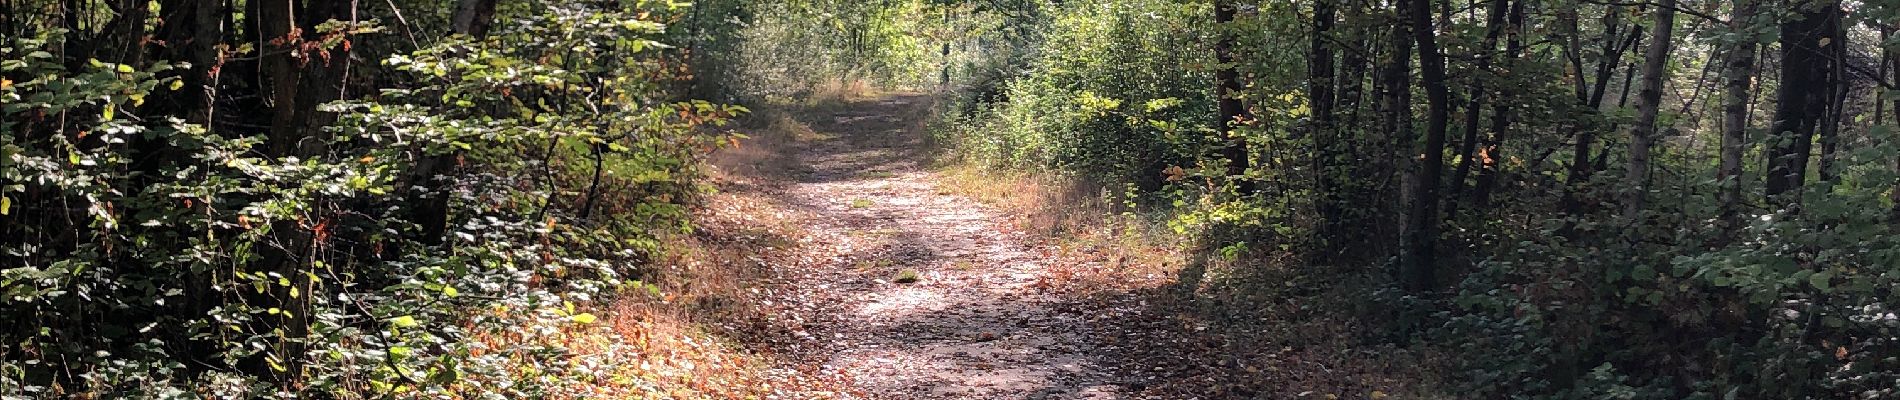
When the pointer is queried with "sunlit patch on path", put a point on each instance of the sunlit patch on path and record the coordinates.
(974, 323)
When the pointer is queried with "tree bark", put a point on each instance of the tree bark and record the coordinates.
(1591, 98)
(1328, 143)
(1649, 105)
(1501, 117)
(593, 189)
(1233, 112)
(1420, 259)
(1738, 73)
(1802, 98)
(1893, 67)
(1468, 149)
(1395, 86)
(430, 191)
(473, 17)
(299, 79)
(1830, 129)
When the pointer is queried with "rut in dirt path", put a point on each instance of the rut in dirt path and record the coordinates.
(977, 324)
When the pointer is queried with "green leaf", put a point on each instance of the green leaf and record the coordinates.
(403, 321)
(1822, 280)
(1643, 273)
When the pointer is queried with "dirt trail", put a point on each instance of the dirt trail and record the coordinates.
(978, 322)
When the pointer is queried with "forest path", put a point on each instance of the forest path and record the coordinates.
(979, 321)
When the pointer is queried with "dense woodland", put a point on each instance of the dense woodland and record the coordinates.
(1570, 199)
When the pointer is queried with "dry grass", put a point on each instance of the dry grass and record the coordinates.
(1101, 247)
(834, 95)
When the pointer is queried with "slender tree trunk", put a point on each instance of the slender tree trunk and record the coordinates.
(1349, 190)
(1501, 117)
(1629, 71)
(1326, 138)
(1802, 98)
(430, 177)
(1232, 111)
(1648, 104)
(944, 79)
(1893, 67)
(473, 17)
(1468, 149)
(1738, 73)
(1612, 53)
(593, 189)
(1581, 165)
(1830, 129)
(1420, 260)
(1395, 77)
(1353, 67)
(1572, 37)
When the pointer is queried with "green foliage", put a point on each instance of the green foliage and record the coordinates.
(151, 257)
(1117, 94)
(1796, 304)
(789, 49)
(1557, 294)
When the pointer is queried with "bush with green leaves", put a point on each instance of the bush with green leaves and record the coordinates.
(1114, 94)
(1796, 304)
(441, 235)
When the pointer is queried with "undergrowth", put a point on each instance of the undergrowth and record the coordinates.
(1247, 323)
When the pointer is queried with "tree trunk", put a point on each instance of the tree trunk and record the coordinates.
(1328, 143)
(1612, 54)
(430, 191)
(593, 189)
(1648, 104)
(1232, 111)
(1802, 98)
(1468, 149)
(1581, 166)
(1830, 129)
(192, 31)
(1893, 67)
(1738, 73)
(1420, 259)
(473, 17)
(1395, 85)
(299, 80)
(1501, 117)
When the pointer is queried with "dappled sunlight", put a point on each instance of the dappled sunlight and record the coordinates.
(909, 291)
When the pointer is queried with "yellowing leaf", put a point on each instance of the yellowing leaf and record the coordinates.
(6, 205)
(403, 321)
(584, 318)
